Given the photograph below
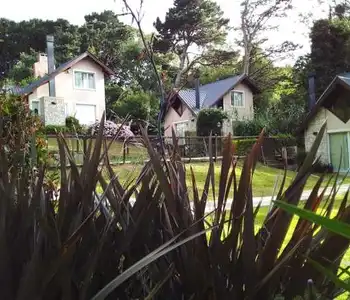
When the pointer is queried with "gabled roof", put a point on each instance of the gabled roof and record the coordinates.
(212, 92)
(45, 79)
(342, 80)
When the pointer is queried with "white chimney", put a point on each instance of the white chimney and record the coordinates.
(41, 66)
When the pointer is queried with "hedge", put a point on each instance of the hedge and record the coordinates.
(52, 129)
(243, 147)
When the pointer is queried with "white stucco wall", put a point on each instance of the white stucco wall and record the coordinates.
(310, 135)
(333, 125)
(172, 117)
(238, 113)
(64, 83)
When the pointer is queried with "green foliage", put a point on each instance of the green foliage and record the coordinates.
(193, 24)
(141, 107)
(330, 51)
(23, 69)
(189, 23)
(17, 122)
(210, 74)
(53, 129)
(210, 121)
(282, 117)
(73, 125)
(99, 242)
(243, 146)
(113, 42)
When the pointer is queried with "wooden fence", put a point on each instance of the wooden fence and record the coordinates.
(273, 150)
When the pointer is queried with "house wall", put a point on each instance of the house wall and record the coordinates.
(238, 113)
(333, 125)
(65, 89)
(53, 110)
(172, 117)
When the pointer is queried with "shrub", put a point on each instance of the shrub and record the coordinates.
(73, 125)
(18, 124)
(112, 129)
(53, 129)
(243, 146)
(210, 120)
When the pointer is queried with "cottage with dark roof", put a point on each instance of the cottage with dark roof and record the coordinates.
(75, 88)
(332, 108)
(235, 95)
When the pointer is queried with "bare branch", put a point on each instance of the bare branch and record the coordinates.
(137, 17)
(256, 17)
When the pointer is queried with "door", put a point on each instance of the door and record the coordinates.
(339, 150)
(86, 114)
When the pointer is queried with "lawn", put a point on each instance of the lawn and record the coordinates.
(133, 153)
(264, 179)
(260, 217)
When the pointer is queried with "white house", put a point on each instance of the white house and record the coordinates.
(235, 95)
(75, 88)
(332, 108)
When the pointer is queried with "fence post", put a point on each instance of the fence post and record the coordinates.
(124, 152)
(84, 145)
(216, 147)
(78, 148)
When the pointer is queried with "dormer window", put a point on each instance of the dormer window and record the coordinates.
(237, 98)
(84, 80)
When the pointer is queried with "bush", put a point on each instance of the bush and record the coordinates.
(208, 120)
(53, 129)
(243, 146)
(73, 125)
(19, 129)
(111, 129)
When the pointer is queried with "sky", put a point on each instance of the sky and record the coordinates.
(74, 10)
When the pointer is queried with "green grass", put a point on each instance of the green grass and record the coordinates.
(264, 179)
(134, 153)
(260, 217)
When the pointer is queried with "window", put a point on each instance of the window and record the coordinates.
(84, 80)
(35, 107)
(237, 99)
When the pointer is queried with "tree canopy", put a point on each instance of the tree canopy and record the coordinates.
(188, 24)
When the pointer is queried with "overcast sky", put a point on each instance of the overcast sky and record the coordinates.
(74, 10)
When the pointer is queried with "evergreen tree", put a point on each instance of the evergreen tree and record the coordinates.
(192, 24)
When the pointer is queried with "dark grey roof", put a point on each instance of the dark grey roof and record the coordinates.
(34, 85)
(212, 92)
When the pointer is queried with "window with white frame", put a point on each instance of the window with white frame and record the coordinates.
(237, 99)
(84, 80)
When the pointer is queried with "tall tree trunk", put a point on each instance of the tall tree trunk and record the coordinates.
(246, 60)
(246, 39)
(179, 74)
